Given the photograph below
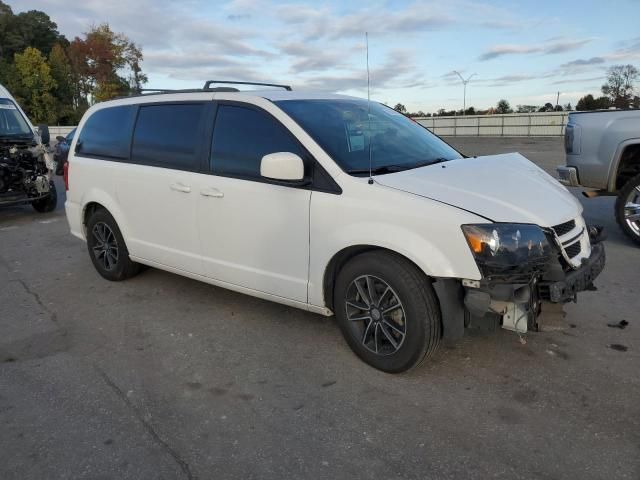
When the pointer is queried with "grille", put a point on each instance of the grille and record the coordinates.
(564, 228)
(573, 249)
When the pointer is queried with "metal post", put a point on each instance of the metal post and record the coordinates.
(464, 100)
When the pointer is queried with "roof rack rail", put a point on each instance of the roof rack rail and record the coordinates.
(154, 90)
(207, 85)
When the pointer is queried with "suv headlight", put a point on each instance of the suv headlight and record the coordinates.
(507, 248)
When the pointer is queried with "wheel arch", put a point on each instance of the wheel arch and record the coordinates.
(99, 200)
(449, 293)
(626, 164)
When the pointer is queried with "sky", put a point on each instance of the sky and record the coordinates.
(523, 51)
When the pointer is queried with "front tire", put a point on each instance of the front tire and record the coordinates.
(628, 209)
(107, 248)
(388, 311)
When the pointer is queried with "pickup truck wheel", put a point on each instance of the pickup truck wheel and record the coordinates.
(49, 203)
(387, 311)
(107, 249)
(628, 209)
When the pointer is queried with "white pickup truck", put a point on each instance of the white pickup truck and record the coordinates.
(603, 152)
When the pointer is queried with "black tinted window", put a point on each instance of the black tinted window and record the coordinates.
(169, 135)
(107, 133)
(242, 136)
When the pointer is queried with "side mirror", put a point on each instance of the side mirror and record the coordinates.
(283, 166)
(43, 131)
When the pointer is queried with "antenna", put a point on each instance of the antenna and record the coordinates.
(366, 37)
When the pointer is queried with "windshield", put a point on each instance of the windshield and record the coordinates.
(344, 130)
(12, 123)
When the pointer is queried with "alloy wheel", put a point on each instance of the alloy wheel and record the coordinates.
(632, 210)
(105, 248)
(377, 314)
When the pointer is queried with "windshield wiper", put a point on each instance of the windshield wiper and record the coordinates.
(376, 170)
(398, 167)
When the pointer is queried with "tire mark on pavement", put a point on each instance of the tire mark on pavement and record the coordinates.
(148, 427)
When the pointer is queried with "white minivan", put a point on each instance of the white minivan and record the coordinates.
(328, 203)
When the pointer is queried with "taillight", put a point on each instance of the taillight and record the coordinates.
(65, 171)
(568, 139)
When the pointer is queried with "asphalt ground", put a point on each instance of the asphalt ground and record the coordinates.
(162, 377)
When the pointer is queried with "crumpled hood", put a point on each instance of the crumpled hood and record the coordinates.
(502, 188)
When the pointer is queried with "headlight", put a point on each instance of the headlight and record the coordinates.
(506, 248)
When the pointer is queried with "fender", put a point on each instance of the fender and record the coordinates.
(615, 164)
(95, 195)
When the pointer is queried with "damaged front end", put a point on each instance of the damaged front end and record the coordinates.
(523, 265)
(25, 176)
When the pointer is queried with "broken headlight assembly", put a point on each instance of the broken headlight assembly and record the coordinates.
(508, 250)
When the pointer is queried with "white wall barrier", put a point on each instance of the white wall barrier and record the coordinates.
(508, 125)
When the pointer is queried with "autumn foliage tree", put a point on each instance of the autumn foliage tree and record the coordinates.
(56, 80)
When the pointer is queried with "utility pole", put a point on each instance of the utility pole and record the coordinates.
(557, 100)
(464, 97)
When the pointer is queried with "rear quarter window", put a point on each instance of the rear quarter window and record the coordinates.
(107, 133)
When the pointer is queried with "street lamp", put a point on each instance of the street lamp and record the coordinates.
(464, 82)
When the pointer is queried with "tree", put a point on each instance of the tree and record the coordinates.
(526, 109)
(27, 29)
(620, 85)
(558, 108)
(568, 107)
(503, 107)
(470, 111)
(400, 108)
(35, 76)
(107, 64)
(62, 75)
(589, 103)
(548, 107)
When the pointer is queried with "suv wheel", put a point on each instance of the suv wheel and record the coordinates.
(628, 209)
(49, 203)
(107, 249)
(387, 311)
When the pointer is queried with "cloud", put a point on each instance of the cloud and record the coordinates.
(577, 80)
(558, 46)
(583, 62)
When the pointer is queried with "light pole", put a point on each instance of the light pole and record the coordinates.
(464, 82)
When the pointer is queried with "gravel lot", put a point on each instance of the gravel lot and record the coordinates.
(164, 377)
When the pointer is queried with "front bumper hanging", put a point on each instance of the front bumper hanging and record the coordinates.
(576, 280)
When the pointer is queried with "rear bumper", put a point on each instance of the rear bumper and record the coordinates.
(568, 176)
(74, 218)
(576, 280)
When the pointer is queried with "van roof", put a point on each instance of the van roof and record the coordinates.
(198, 94)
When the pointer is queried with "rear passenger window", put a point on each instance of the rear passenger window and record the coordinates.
(107, 133)
(169, 135)
(242, 136)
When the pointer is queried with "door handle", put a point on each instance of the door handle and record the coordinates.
(179, 187)
(211, 192)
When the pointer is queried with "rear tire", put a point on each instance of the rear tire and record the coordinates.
(629, 194)
(49, 203)
(408, 327)
(107, 248)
